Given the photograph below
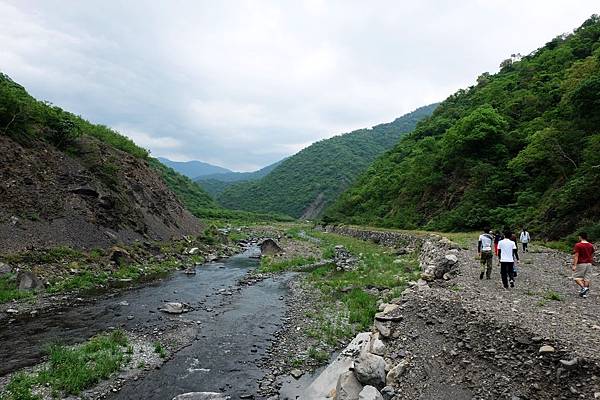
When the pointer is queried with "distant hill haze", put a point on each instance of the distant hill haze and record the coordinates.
(193, 169)
(520, 148)
(215, 184)
(307, 182)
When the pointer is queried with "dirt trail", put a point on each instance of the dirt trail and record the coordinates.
(542, 275)
(470, 338)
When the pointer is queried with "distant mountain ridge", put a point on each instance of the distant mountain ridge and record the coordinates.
(215, 184)
(194, 169)
(305, 183)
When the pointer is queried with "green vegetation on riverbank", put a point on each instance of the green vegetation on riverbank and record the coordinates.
(70, 370)
(348, 300)
(9, 289)
(66, 270)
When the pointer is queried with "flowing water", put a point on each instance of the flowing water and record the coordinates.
(236, 327)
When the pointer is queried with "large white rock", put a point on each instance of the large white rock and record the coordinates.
(370, 393)
(201, 396)
(370, 369)
(348, 387)
(326, 382)
(174, 308)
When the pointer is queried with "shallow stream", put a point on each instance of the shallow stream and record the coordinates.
(236, 326)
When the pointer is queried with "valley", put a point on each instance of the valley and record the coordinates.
(351, 269)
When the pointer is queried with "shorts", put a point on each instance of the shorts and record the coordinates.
(583, 271)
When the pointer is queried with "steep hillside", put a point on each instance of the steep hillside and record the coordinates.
(193, 169)
(215, 184)
(522, 147)
(64, 181)
(304, 184)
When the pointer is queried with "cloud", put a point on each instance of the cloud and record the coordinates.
(245, 83)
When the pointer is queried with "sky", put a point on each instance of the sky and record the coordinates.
(242, 84)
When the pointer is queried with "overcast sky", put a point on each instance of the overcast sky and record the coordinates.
(242, 84)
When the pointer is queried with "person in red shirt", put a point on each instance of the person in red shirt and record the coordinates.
(583, 256)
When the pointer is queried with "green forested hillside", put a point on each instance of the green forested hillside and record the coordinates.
(309, 180)
(522, 147)
(24, 119)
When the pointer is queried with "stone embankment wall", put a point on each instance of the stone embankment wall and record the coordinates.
(400, 240)
(438, 256)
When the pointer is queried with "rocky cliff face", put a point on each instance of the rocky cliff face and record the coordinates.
(92, 195)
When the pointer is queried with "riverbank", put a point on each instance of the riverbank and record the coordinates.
(463, 338)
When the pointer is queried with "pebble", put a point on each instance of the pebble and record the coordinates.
(546, 349)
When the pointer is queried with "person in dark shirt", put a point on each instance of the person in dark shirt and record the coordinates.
(497, 238)
(513, 237)
(583, 256)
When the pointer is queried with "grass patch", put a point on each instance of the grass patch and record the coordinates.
(274, 264)
(20, 387)
(362, 307)
(558, 245)
(87, 281)
(47, 256)
(82, 282)
(71, 369)
(160, 350)
(378, 266)
(319, 356)
(9, 290)
(552, 295)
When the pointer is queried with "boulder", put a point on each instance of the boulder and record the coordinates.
(383, 328)
(120, 256)
(370, 369)
(193, 250)
(348, 387)
(4, 269)
(377, 347)
(392, 378)
(296, 373)
(370, 393)
(86, 191)
(388, 392)
(429, 273)
(27, 281)
(270, 247)
(175, 308)
(201, 396)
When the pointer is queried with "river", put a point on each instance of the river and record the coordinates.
(236, 326)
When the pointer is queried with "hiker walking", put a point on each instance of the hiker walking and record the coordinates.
(513, 237)
(524, 238)
(583, 256)
(497, 238)
(484, 248)
(507, 250)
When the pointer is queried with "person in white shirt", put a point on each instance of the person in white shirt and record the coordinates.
(507, 250)
(524, 238)
(484, 248)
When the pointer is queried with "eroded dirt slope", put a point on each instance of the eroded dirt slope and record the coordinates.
(90, 196)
